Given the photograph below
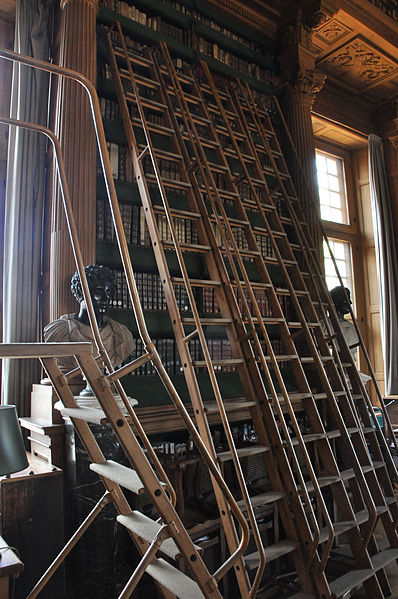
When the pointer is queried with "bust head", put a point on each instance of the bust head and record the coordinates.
(101, 282)
(340, 300)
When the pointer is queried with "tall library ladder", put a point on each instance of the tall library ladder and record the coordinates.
(166, 535)
(327, 471)
(306, 348)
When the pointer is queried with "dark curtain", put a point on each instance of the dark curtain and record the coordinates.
(386, 260)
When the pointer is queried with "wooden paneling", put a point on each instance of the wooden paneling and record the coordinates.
(367, 248)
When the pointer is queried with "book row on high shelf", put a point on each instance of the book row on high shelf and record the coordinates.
(152, 297)
(132, 12)
(190, 38)
(219, 349)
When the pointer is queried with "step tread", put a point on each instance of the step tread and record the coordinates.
(272, 552)
(383, 558)
(146, 528)
(349, 581)
(243, 452)
(174, 580)
(262, 499)
(92, 415)
(123, 476)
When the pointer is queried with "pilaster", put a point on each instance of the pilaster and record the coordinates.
(76, 132)
(301, 83)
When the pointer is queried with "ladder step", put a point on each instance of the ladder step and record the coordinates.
(384, 558)
(349, 581)
(243, 452)
(87, 414)
(231, 362)
(147, 529)
(121, 475)
(263, 499)
(230, 406)
(209, 321)
(197, 282)
(174, 580)
(272, 552)
(192, 247)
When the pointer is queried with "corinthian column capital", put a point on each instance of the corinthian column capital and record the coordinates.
(304, 87)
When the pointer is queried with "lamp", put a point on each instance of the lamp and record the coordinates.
(12, 450)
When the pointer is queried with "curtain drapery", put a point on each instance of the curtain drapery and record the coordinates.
(24, 208)
(386, 259)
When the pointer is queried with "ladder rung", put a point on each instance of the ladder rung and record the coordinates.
(176, 212)
(272, 552)
(230, 362)
(168, 182)
(174, 580)
(146, 528)
(148, 102)
(262, 499)
(121, 475)
(153, 126)
(243, 452)
(229, 405)
(192, 247)
(140, 79)
(339, 528)
(208, 321)
(196, 282)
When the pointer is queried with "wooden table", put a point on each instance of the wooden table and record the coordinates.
(10, 565)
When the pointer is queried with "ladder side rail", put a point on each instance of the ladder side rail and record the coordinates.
(343, 347)
(352, 314)
(240, 547)
(273, 359)
(326, 383)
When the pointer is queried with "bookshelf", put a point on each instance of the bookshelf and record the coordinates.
(192, 30)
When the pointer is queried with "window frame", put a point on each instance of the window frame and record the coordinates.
(348, 233)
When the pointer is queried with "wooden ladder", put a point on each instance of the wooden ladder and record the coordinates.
(352, 485)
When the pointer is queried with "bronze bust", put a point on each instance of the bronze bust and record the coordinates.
(117, 339)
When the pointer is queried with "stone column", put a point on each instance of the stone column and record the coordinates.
(301, 83)
(75, 129)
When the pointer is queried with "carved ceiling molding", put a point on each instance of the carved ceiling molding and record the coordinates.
(359, 63)
(307, 84)
(331, 31)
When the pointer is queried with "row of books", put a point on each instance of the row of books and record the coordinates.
(135, 227)
(152, 297)
(150, 291)
(132, 12)
(220, 350)
(189, 38)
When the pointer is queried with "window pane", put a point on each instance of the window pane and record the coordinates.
(342, 254)
(331, 185)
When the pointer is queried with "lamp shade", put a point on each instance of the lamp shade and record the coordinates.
(12, 450)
